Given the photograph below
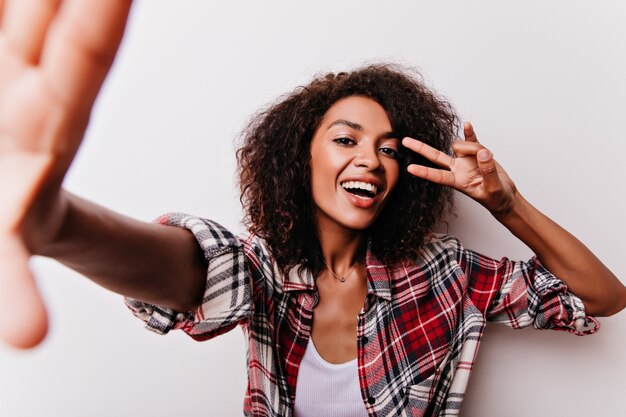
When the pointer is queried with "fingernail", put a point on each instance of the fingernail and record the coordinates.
(484, 155)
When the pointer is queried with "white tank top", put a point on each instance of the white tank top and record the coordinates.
(327, 389)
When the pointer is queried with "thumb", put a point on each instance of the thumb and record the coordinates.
(23, 317)
(487, 166)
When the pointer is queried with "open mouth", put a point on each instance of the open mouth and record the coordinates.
(360, 189)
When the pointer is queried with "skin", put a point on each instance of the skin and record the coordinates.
(54, 56)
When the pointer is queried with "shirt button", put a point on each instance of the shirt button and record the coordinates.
(371, 400)
(364, 340)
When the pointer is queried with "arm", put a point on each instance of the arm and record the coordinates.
(54, 57)
(157, 264)
(566, 257)
(476, 173)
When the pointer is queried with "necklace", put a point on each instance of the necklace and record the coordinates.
(342, 278)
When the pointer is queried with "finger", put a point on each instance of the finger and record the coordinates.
(433, 155)
(489, 171)
(439, 176)
(80, 47)
(25, 24)
(468, 132)
(463, 148)
(23, 318)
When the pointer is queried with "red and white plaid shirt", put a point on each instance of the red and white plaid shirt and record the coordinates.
(418, 332)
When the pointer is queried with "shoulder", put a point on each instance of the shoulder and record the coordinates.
(255, 247)
(439, 246)
(262, 266)
(439, 258)
(436, 270)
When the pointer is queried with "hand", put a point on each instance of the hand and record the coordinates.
(54, 56)
(474, 171)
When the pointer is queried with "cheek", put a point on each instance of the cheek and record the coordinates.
(322, 179)
(393, 175)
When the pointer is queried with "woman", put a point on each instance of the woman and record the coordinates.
(340, 263)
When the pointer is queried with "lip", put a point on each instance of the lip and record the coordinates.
(359, 202)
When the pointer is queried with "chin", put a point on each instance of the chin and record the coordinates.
(346, 216)
(357, 222)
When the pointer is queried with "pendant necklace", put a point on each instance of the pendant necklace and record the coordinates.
(342, 278)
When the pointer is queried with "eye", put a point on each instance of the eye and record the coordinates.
(344, 141)
(389, 152)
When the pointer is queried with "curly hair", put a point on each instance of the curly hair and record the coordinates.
(274, 158)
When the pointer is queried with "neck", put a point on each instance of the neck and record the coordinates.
(341, 247)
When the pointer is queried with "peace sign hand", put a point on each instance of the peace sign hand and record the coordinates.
(473, 171)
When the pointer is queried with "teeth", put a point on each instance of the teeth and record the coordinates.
(360, 185)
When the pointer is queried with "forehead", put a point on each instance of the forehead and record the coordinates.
(358, 109)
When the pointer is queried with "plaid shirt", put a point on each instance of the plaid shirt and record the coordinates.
(418, 332)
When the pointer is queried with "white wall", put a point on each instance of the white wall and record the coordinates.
(543, 82)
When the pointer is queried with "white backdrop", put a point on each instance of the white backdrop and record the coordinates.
(542, 81)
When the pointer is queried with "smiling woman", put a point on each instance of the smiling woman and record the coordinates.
(344, 266)
(350, 302)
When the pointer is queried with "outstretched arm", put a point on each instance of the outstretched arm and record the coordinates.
(54, 57)
(475, 173)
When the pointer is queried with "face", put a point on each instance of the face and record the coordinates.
(354, 164)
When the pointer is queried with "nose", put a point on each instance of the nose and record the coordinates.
(367, 157)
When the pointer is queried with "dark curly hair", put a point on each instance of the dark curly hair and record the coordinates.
(274, 164)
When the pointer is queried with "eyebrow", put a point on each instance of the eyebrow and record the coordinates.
(356, 126)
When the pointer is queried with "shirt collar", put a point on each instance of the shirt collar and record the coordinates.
(379, 277)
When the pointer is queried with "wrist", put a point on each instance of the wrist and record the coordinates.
(512, 210)
(43, 225)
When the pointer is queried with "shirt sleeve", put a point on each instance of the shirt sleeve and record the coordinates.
(521, 294)
(227, 297)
